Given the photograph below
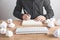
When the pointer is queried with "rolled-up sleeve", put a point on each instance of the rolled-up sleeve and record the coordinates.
(48, 8)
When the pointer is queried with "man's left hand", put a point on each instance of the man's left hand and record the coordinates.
(40, 18)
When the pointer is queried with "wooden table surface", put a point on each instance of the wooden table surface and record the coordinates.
(18, 23)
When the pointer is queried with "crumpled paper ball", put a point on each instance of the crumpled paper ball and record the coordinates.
(58, 22)
(9, 21)
(52, 19)
(47, 21)
(3, 25)
(9, 33)
(3, 31)
(51, 24)
(57, 33)
(11, 25)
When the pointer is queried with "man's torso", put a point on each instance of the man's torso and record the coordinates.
(33, 7)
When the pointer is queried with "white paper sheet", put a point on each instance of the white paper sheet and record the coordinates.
(31, 22)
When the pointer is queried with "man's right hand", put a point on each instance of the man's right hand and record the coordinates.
(26, 17)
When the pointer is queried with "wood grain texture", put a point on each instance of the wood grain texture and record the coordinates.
(18, 23)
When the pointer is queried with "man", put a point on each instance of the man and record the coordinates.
(33, 9)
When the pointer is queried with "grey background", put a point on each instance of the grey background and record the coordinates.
(7, 7)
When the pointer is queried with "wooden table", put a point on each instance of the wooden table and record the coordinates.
(18, 23)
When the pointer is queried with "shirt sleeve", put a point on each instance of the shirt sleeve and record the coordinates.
(48, 8)
(18, 9)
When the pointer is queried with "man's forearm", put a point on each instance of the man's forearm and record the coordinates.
(48, 8)
(18, 9)
(17, 14)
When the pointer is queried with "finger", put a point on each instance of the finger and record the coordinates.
(28, 14)
(37, 19)
(27, 18)
(42, 20)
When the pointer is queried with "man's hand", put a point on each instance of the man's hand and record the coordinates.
(40, 18)
(26, 17)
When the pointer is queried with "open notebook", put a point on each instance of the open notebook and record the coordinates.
(31, 30)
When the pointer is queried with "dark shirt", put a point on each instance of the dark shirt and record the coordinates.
(34, 8)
